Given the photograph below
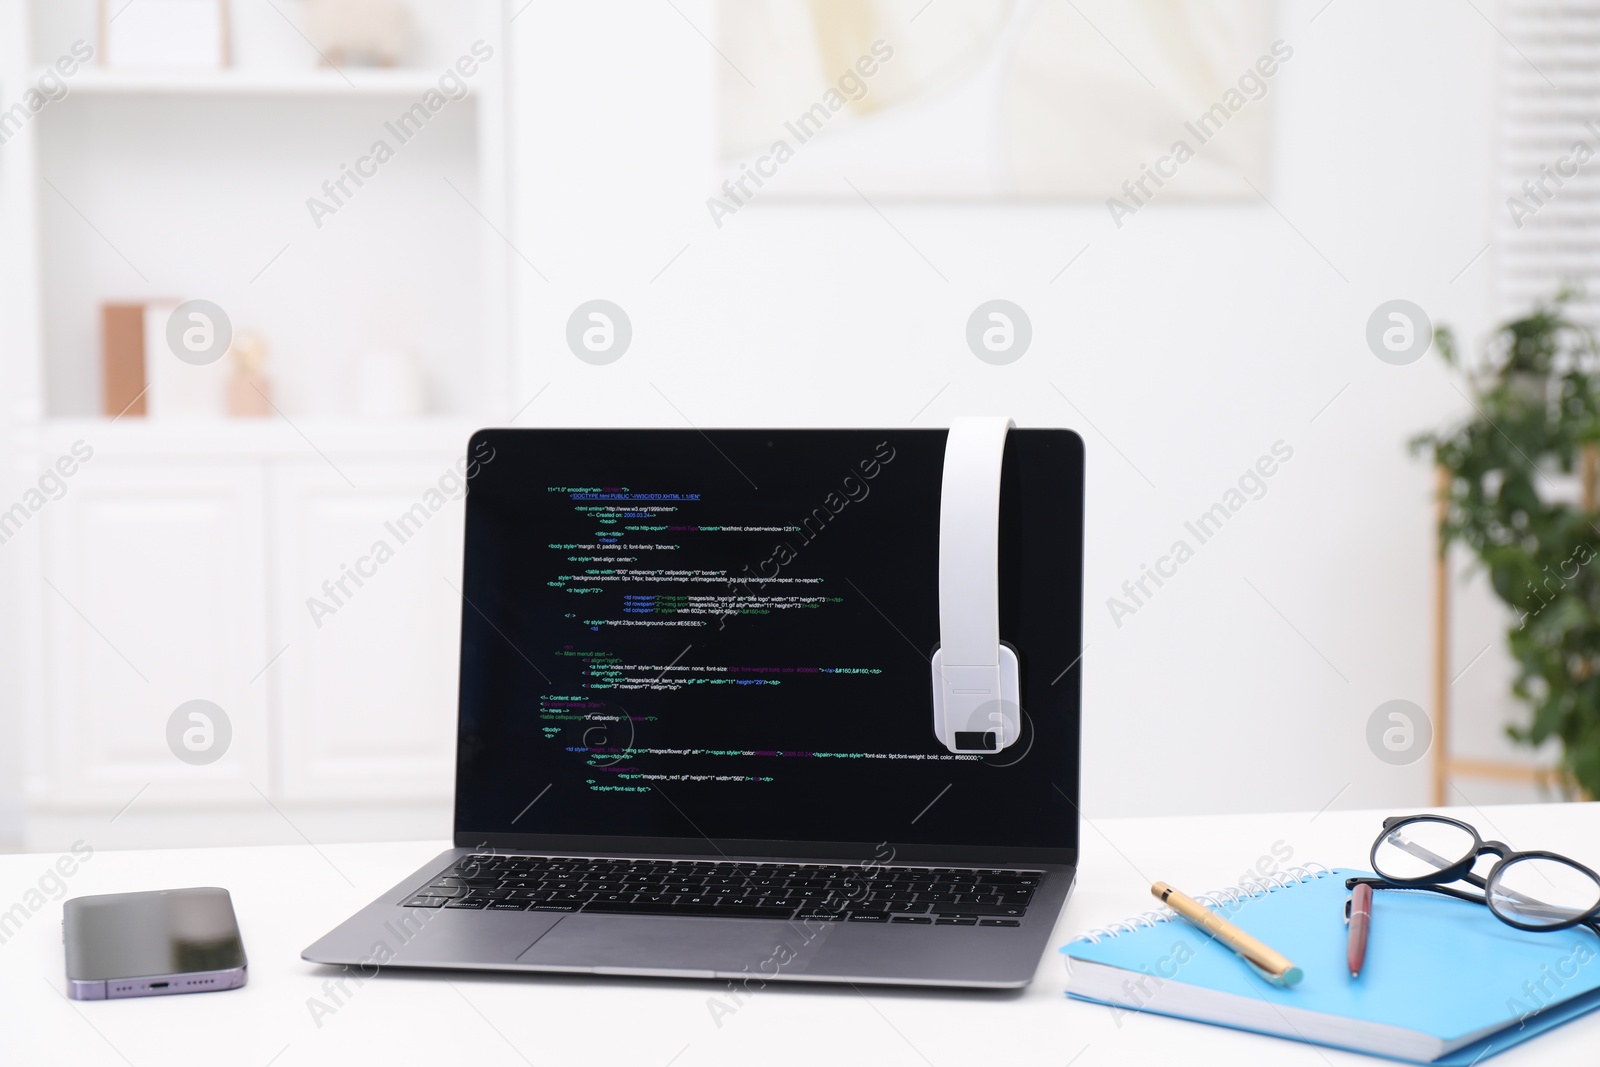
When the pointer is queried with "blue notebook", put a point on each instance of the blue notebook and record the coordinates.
(1444, 980)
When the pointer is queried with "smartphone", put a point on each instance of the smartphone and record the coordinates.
(152, 944)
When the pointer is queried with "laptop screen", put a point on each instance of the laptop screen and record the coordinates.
(726, 635)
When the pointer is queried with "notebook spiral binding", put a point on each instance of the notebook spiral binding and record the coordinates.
(1220, 898)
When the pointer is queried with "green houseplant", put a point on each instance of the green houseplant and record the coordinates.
(1521, 495)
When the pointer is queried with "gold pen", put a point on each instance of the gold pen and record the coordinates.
(1271, 964)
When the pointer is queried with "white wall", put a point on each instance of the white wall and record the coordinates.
(1194, 338)
(18, 289)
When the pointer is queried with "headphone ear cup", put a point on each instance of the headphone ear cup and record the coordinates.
(989, 724)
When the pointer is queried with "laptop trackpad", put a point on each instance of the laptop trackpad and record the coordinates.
(679, 945)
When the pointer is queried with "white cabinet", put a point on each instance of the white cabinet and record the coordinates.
(154, 596)
(365, 584)
(311, 597)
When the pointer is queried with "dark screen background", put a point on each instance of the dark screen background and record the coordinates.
(556, 710)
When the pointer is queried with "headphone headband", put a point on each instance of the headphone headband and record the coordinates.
(975, 684)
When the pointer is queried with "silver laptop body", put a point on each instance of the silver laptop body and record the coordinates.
(609, 815)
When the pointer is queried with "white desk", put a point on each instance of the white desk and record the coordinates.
(288, 896)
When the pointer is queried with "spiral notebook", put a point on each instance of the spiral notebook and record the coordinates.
(1444, 980)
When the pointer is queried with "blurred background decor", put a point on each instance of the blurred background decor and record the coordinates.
(123, 380)
(164, 33)
(359, 32)
(1521, 494)
(390, 384)
(184, 342)
(249, 391)
(999, 98)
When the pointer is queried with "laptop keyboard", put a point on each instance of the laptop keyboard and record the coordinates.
(925, 896)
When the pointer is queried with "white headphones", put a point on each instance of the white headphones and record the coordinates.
(976, 697)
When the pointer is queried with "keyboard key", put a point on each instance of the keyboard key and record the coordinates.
(554, 907)
(425, 902)
(915, 919)
(734, 911)
(478, 903)
(957, 922)
(508, 905)
(868, 917)
(1009, 911)
(998, 922)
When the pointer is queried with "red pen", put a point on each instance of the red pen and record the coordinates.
(1358, 913)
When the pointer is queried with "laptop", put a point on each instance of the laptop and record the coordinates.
(700, 727)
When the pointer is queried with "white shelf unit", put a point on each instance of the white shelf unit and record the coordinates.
(146, 184)
(333, 84)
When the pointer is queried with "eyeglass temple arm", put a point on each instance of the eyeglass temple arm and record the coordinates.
(1384, 883)
(1535, 906)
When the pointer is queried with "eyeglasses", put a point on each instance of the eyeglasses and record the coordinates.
(1528, 890)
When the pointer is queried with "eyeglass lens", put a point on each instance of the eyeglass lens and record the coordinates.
(1540, 891)
(1421, 848)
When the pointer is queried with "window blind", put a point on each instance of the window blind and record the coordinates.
(1548, 230)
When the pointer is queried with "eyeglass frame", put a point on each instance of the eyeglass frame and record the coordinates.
(1462, 871)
